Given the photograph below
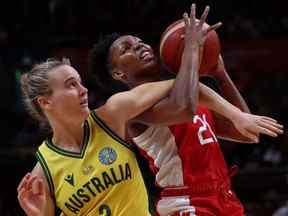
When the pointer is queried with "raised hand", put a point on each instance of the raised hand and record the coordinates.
(195, 31)
(195, 34)
(32, 195)
(252, 126)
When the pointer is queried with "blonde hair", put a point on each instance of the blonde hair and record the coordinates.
(35, 83)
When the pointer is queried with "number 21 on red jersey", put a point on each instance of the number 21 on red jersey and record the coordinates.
(204, 128)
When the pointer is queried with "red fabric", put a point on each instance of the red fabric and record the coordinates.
(201, 163)
(217, 205)
(206, 177)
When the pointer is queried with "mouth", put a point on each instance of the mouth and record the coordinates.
(146, 55)
(84, 102)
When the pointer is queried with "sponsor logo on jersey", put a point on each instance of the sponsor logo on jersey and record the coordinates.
(70, 179)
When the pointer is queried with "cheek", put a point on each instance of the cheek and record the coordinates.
(129, 61)
(64, 101)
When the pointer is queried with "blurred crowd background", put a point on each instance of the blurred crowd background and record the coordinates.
(254, 40)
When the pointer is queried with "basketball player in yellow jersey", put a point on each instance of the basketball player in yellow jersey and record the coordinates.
(99, 176)
(85, 167)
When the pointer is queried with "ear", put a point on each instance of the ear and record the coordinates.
(44, 102)
(118, 75)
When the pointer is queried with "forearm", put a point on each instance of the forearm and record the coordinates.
(230, 92)
(164, 113)
(185, 89)
(146, 95)
(51, 209)
(215, 102)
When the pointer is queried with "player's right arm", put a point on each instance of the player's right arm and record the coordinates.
(33, 194)
(122, 107)
(184, 93)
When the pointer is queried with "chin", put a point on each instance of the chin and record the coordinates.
(85, 112)
(151, 69)
(153, 62)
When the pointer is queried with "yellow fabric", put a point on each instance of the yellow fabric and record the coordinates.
(104, 179)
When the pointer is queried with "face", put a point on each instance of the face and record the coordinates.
(69, 97)
(131, 58)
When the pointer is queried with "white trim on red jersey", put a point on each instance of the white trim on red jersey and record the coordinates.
(177, 204)
(159, 145)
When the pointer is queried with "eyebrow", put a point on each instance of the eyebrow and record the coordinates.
(71, 78)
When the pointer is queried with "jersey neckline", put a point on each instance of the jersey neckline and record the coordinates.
(64, 152)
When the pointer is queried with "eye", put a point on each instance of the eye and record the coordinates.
(126, 45)
(123, 49)
(72, 84)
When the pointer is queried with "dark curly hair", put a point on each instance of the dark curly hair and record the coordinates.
(99, 67)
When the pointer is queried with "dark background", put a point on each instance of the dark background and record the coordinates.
(254, 40)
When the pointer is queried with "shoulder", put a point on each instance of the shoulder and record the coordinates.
(114, 104)
(39, 172)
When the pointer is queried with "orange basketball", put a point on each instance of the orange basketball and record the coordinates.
(172, 46)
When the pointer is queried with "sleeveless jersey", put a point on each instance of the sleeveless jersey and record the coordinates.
(103, 179)
(184, 154)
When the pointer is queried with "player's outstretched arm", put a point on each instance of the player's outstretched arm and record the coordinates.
(246, 128)
(122, 107)
(34, 196)
(242, 125)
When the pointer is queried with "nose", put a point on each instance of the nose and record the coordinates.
(140, 45)
(83, 90)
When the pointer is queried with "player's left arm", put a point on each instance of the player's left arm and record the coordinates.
(225, 128)
(227, 88)
(248, 125)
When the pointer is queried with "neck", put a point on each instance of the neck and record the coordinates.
(142, 81)
(68, 135)
(147, 77)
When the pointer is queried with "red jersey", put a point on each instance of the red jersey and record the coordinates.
(190, 168)
(184, 154)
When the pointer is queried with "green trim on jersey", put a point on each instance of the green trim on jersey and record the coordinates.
(80, 155)
(110, 132)
(45, 170)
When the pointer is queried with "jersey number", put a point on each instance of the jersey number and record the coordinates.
(202, 129)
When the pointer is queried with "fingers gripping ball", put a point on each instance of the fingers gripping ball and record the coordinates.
(172, 46)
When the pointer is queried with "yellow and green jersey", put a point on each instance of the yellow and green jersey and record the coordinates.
(103, 179)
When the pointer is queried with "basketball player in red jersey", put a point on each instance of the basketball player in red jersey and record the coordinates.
(186, 158)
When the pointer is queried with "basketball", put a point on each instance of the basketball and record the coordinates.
(172, 46)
